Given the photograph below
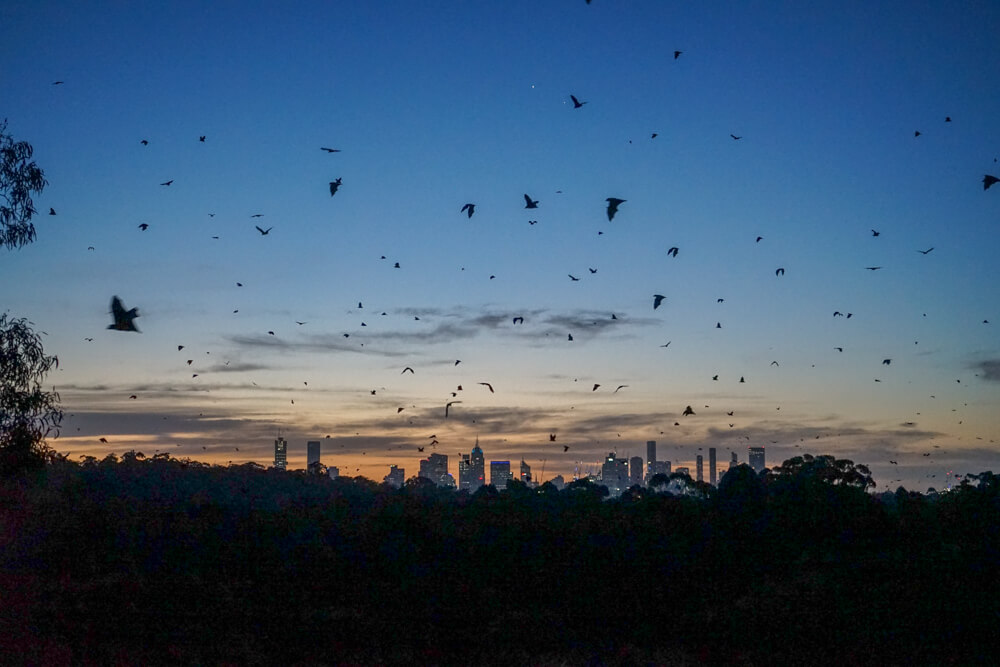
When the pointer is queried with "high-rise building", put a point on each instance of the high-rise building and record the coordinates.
(733, 462)
(464, 472)
(635, 471)
(312, 454)
(396, 476)
(558, 482)
(699, 468)
(614, 474)
(757, 459)
(333, 472)
(280, 453)
(525, 472)
(435, 468)
(477, 468)
(650, 459)
(499, 474)
(711, 466)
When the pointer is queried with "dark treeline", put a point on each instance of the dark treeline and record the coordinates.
(160, 561)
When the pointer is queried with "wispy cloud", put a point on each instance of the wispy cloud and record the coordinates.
(989, 369)
(438, 326)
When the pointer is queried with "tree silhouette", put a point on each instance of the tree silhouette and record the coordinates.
(28, 414)
(19, 178)
(824, 468)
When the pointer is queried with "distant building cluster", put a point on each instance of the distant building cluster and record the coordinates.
(617, 474)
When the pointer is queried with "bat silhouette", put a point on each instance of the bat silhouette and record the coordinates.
(123, 319)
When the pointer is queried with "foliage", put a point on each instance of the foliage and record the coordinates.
(151, 560)
(28, 414)
(19, 178)
(824, 468)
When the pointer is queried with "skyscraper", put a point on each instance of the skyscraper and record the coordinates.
(312, 454)
(499, 474)
(711, 466)
(477, 468)
(733, 462)
(464, 472)
(650, 459)
(635, 471)
(614, 474)
(435, 468)
(333, 472)
(396, 476)
(757, 459)
(525, 472)
(280, 453)
(699, 474)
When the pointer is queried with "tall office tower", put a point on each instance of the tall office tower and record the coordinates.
(635, 471)
(757, 459)
(477, 467)
(435, 468)
(464, 472)
(333, 472)
(558, 481)
(312, 454)
(711, 466)
(396, 476)
(525, 472)
(499, 474)
(733, 462)
(280, 453)
(650, 459)
(614, 474)
(662, 467)
(699, 461)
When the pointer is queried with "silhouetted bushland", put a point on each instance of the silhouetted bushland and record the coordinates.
(160, 561)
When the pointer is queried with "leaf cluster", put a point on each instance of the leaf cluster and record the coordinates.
(19, 179)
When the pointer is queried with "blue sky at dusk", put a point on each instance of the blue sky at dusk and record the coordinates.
(435, 105)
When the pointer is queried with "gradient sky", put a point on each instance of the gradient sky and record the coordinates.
(437, 104)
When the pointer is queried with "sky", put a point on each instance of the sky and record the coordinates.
(783, 136)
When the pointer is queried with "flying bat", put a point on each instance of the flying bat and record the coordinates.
(613, 204)
(471, 208)
(488, 386)
(334, 185)
(576, 103)
(529, 202)
(989, 180)
(123, 318)
(329, 150)
(657, 300)
(264, 232)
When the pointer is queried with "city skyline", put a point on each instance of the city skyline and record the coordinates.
(755, 227)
